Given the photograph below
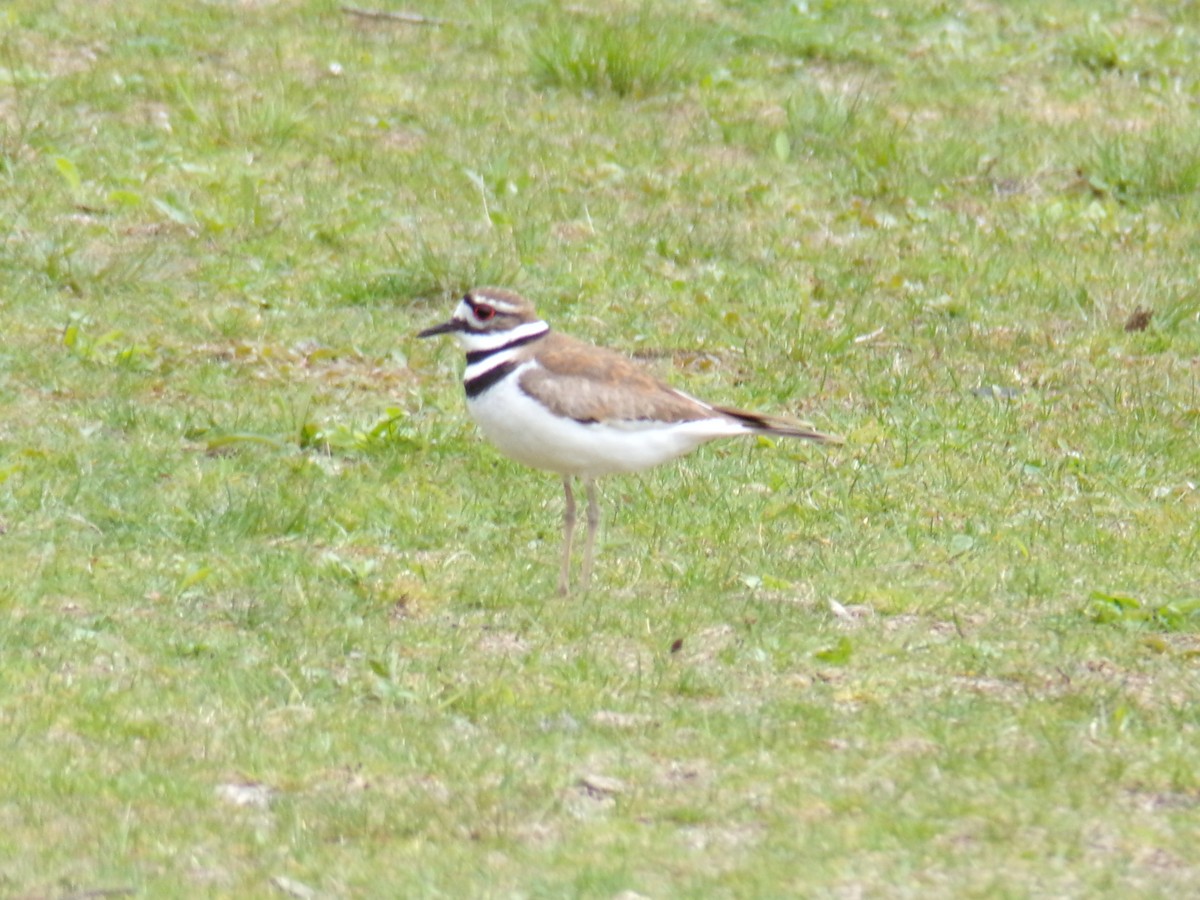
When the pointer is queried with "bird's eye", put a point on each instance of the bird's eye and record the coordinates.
(483, 312)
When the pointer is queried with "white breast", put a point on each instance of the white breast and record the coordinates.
(526, 431)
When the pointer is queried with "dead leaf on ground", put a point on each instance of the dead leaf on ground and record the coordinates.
(250, 794)
(602, 785)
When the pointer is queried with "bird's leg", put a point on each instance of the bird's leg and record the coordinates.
(593, 522)
(564, 574)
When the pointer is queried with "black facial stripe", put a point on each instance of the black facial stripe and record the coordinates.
(476, 355)
(481, 383)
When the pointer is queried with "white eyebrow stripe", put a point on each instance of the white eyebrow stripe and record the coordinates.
(497, 303)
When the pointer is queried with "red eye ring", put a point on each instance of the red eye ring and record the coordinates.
(483, 312)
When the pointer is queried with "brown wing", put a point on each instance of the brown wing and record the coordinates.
(589, 383)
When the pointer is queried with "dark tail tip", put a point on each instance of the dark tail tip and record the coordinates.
(769, 425)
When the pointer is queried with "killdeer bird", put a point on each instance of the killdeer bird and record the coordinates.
(555, 403)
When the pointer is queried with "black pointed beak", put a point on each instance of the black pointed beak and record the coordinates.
(444, 328)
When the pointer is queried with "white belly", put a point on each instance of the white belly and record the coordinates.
(526, 431)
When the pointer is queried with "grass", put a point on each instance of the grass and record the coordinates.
(628, 55)
(276, 622)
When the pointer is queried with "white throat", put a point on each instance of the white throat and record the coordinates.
(474, 342)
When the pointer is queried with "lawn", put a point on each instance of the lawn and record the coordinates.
(276, 621)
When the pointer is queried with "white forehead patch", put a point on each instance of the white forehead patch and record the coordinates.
(463, 312)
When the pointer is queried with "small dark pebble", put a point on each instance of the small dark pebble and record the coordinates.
(1139, 319)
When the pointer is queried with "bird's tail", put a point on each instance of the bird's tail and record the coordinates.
(779, 427)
